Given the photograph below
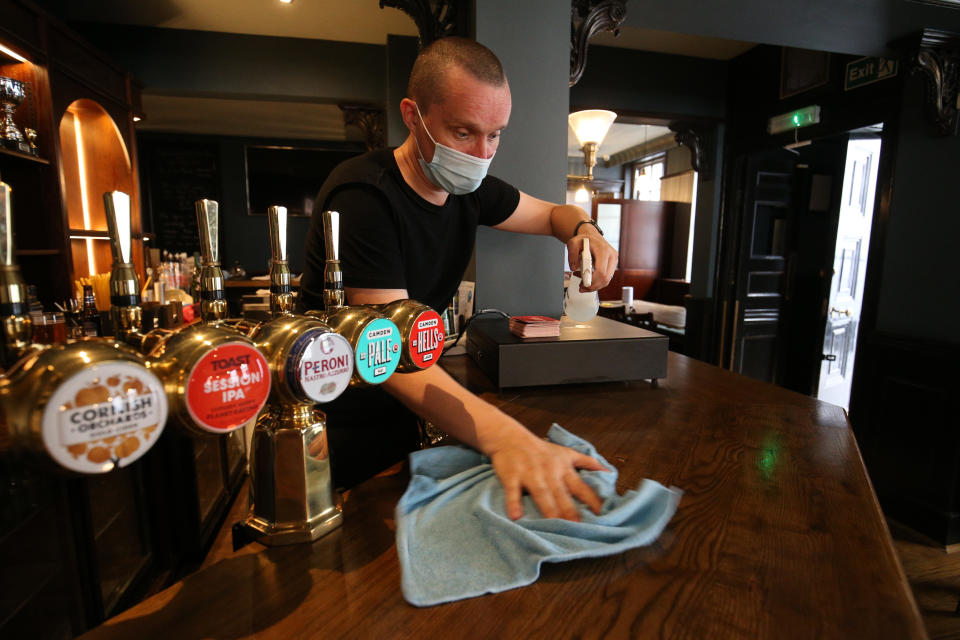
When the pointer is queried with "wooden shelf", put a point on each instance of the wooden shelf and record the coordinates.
(38, 252)
(105, 235)
(24, 156)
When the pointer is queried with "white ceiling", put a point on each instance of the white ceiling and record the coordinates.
(340, 20)
(620, 137)
(360, 21)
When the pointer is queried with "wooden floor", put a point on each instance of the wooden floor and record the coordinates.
(934, 576)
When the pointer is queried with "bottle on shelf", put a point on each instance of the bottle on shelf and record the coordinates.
(89, 317)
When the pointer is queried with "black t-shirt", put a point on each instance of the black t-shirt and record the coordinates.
(391, 238)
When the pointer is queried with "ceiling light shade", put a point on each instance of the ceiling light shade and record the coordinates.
(591, 125)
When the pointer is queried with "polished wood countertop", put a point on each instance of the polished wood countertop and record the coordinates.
(778, 535)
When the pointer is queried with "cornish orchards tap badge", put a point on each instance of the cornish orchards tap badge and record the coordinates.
(320, 365)
(426, 339)
(378, 351)
(105, 416)
(228, 387)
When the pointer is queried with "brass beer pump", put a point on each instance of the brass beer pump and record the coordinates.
(375, 338)
(215, 379)
(84, 407)
(420, 328)
(291, 493)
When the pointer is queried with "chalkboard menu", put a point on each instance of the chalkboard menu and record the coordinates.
(179, 174)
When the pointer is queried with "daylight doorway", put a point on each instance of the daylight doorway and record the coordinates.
(849, 270)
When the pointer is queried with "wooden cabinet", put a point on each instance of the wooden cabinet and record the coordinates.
(74, 550)
(82, 109)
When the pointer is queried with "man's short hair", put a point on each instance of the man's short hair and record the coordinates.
(435, 59)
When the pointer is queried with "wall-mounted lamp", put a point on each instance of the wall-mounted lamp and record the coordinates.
(591, 128)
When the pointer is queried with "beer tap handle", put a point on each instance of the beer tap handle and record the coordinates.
(208, 220)
(124, 284)
(6, 227)
(14, 319)
(281, 294)
(333, 295)
(117, 206)
(213, 300)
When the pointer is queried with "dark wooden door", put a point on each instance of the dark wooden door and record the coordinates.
(767, 213)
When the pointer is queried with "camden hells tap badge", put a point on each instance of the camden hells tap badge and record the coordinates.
(378, 351)
(104, 417)
(426, 339)
(321, 365)
(228, 387)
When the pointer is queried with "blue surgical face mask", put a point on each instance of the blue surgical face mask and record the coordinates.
(453, 171)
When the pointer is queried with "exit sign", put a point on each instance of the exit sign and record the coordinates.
(868, 70)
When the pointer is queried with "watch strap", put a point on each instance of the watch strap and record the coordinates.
(592, 222)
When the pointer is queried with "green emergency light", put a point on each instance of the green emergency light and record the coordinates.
(794, 120)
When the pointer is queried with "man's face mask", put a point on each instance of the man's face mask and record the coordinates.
(453, 171)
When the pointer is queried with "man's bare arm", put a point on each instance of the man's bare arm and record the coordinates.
(522, 461)
(536, 216)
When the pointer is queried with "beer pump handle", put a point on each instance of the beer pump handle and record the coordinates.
(6, 227)
(14, 316)
(208, 221)
(333, 295)
(124, 284)
(281, 292)
(213, 299)
(117, 207)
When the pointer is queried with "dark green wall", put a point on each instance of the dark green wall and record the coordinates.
(860, 27)
(515, 273)
(921, 266)
(234, 65)
(625, 80)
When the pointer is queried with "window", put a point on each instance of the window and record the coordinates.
(646, 179)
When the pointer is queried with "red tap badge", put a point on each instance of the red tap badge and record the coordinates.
(426, 339)
(228, 387)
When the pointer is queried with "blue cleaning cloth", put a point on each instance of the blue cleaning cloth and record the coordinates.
(455, 540)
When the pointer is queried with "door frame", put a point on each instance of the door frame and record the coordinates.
(731, 219)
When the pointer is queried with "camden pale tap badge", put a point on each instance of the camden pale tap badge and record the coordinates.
(104, 417)
(228, 387)
(378, 351)
(426, 339)
(321, 365)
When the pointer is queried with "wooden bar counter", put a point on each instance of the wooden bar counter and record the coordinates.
(778, 535)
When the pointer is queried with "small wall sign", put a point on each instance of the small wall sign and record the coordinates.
(867, 71)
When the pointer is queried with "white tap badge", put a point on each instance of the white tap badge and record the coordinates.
(324, 364)
(104, 417)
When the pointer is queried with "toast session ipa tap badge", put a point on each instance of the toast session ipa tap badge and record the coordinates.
(228, 387)
(320, 365)
(426, 339)
(378, 351)
(106, 416)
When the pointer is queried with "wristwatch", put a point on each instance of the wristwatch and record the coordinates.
(592, 222)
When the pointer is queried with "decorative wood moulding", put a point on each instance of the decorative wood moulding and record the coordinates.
(687, 135)
(936, 54)
(435, 19)
(370, 120)
(589, 17)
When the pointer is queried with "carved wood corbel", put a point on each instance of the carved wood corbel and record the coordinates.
(370, 120)
(689, 136)
(587, 18)
(435, 19)
(936, 55)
